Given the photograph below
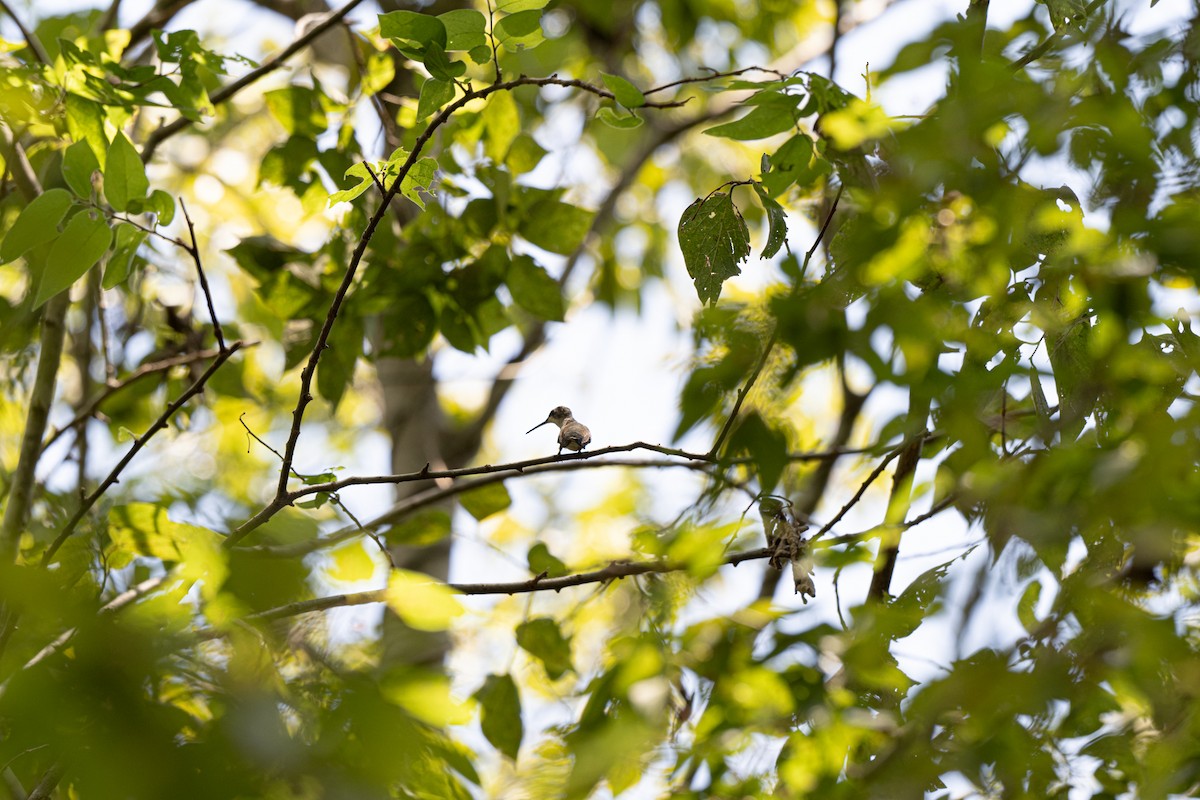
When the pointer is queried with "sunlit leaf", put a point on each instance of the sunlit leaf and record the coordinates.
(422, 602)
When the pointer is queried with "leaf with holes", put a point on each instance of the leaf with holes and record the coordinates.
(714, 240)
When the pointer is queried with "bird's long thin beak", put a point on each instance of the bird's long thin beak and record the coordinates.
(535, 427)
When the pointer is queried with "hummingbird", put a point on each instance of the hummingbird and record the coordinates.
(572, 434)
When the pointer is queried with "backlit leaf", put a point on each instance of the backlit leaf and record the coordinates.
(714, 240)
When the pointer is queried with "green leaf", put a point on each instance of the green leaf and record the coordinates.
(408, 326)
(777, 218)
(124, 174)
(129, 238)
(79, 164)
(380, 71)
(359, 171)
(36, 224)
(85, 122)
(298, 109)
(351, 562)
(500, 714)
(502, 124)
(426, 527)
(465, 29)
(412, 28)
(1064, 12)
(556, 226)
(516, 6)
(520, 31)
(534, 290)
(1027, 606)
(419, 179)
(543, 562)
(792, 163)
(761, 122)
(625, 92)
(434, 94)
(714, 240)
(614, 119)
(440, 66)
(84, 241)
(481, 503)
(524, 154)
(542, 639)
(422, 602)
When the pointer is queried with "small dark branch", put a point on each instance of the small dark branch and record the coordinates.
(375, 179)
(1053, 39)
(144, 371)
(824, 229)
(493, 474)
(714, 76)
(938, 507)
(138, 444)
(898, 503)
(194, 251)
(255, 437)
(614, 571)
(159, 135)
(35, 46)
(745, 390)
(862, 489)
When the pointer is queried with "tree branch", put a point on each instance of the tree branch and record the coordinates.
(194, 251)
(614, 571)
(138, 444)
(493, 473)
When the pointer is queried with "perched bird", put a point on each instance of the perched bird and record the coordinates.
(572, 434)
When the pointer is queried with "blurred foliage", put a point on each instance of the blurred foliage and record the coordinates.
(1018, 262)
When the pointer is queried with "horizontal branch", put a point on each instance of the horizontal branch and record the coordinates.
(492, 473)
(614, 571)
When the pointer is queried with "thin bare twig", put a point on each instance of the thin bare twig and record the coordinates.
(144, 371)
(862, 489)
(194, 251)
(138, 444)
(715, 76)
